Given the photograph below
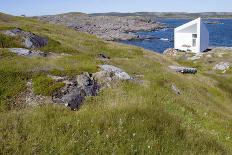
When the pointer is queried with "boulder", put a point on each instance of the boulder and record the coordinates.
(28, 53)
(75, 91)
(115, 72)
(31, 40)
(103, 56)
(222, 66)
(170, 52)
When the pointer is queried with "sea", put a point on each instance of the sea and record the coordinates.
(220, 31)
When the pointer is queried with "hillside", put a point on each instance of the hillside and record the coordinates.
(140, 116)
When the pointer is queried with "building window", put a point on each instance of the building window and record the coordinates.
(194, 37)
(194, 42)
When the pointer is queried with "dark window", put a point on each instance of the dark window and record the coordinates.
(194, 42)
(194, 35)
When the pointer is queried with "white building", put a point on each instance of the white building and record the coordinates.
(192, 36)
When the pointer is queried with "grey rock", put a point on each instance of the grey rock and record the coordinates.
(115, 71)
(176, 90)
(31, 40)
(196, 56)
(76, 90)
(170, 52)
(58, 78)
(222, 66)
(184, 70)
(28, 53)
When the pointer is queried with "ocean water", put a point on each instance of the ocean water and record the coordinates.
(220, 34)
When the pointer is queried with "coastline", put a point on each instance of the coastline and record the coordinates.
(110, 28)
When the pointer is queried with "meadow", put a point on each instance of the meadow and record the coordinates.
(126, 118)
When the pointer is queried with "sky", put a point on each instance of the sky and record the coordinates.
(47, 7)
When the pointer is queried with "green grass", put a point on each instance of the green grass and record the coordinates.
(126, 118)
(46, 86)
(56, 47)
(7, 41)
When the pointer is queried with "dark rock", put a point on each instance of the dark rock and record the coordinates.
(102, 56)
(31, 40)
(75, 91)
(184, 70)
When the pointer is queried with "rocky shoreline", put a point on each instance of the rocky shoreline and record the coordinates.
(110, 28)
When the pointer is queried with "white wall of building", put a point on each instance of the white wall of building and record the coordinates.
(184, 39)
(183, 36)
(204, 38)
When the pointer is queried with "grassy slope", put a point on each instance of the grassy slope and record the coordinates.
(126, 118)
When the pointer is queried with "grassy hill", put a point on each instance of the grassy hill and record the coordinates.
(126, 118)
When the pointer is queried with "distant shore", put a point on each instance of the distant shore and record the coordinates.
(110, 28)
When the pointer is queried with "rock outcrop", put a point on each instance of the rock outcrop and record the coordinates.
(31, 40)
(29, 53)
(75, 91)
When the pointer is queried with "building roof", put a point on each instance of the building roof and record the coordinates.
(191, 23)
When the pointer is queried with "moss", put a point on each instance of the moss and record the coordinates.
(46, 86)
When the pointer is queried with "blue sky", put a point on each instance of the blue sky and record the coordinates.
(43, 7)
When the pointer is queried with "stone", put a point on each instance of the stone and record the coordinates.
(176, 90)
(116, 72)
(184, 70)
(76, 90)
(31, 40)
(222, 66)
(170, 52)
(58, 78)
(110, 73)
(103, 56)
(196, 56)
(209, 56)
(28, 53)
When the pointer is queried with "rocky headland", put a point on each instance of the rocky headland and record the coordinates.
(111, 28)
